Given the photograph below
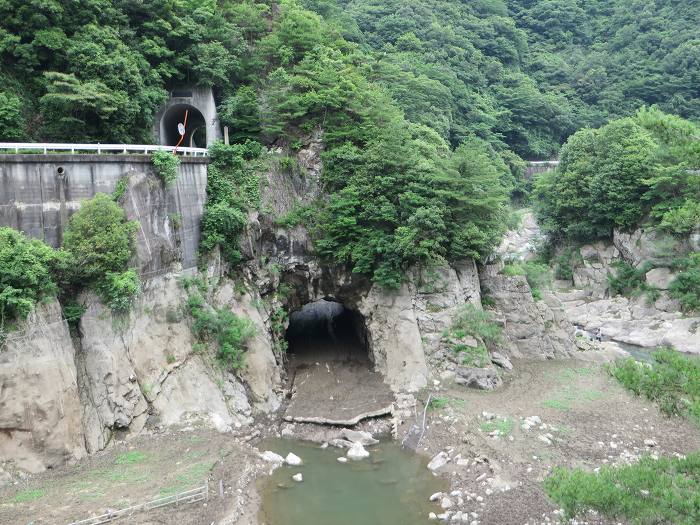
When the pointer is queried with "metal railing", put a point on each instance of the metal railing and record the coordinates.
(543, 163)
(190, 496)
(48, 148)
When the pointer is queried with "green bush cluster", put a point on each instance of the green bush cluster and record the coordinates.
(672, 381)
(233, 188)
(630, 281)
(165, 165)
(98, 244)
(472, 321)
(652, 491)
(27, 274)
(686, 286)
(636, 169)
(230, 332)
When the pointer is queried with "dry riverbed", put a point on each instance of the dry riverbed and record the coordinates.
(498, 445)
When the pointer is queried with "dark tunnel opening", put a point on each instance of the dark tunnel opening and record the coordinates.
(326, 331)
(195, 131)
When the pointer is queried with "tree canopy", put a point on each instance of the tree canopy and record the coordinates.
(632, 170)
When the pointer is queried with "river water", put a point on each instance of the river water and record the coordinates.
(391, 487)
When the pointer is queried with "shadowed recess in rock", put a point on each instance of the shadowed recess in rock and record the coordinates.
(326, 331)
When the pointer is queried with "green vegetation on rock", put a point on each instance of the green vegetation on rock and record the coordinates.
(230, 332)
(166, 166)
(686, 286)
(27, 275)
(233, 188)
(99, 243)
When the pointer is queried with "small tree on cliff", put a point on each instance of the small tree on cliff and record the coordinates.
(100, 242)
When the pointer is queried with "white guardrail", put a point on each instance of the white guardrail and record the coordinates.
(48, 148)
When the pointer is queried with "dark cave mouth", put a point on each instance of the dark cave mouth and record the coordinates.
(327, 331)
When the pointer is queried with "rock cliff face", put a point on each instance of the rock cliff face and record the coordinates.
(64, 395)
(533, 329)
(40, 409)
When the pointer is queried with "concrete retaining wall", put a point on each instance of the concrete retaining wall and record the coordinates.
(38, 193)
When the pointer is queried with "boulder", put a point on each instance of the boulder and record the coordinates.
(293, 460)
(501, 360)
(358, 436)
(271, 457)
(357, 452)
(438, 461)
(660, 278)
(298, 477)
(480, 378)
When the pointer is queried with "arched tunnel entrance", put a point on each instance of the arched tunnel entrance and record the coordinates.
(330, 367)
(196, 129)
(326, 331)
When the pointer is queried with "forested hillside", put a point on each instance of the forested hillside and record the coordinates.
(522, 74)
(426, 107)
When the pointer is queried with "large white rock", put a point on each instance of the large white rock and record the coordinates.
(358, 436)
(660, 278)
(293, 460)
(271, 457)
(40, 409)
(439, 461)
(357, 451)
(298, 477)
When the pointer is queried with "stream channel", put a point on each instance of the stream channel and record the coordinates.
(390, 487)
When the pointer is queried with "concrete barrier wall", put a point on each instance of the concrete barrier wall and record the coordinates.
(38, 194)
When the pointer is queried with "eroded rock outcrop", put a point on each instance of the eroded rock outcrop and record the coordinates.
(40, 410)
(533, 329)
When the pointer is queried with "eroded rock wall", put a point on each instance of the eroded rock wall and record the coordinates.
(40, 409)
(532, 329)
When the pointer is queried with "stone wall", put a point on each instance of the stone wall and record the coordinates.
(38, 194)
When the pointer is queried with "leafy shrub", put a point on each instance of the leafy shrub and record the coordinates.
(221, 226)
(26, 267)
(475, 322)
(99, 242)
(98, 238)
(683, 220)
(119, 289)
(11, 121)
(538, 275)
(565, 262)
(652, 491)
(230, 332)
(165, 165)
(120, 188)
(686, 286)
(73, 312)
(472, 356)
(296, 216)
(672, 381)
(630, 281)
(233, 187)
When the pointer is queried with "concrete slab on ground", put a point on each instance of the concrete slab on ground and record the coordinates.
(338, 393)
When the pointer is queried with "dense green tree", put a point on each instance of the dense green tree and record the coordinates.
(26, 276)
(99, 243)
(11, 120)
(636, 169)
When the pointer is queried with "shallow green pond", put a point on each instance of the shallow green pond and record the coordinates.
(391, 487)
